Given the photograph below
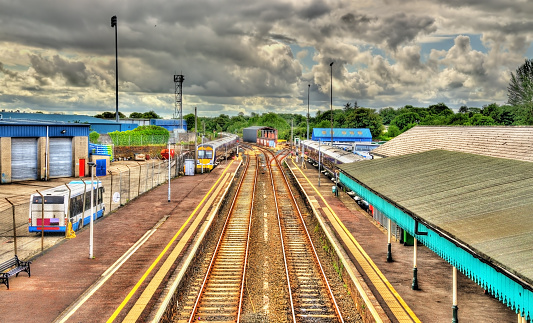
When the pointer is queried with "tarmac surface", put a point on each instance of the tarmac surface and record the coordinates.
(64, 272)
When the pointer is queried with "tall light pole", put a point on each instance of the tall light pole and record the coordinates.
(114, 24)
(331, 101)
(308, 87)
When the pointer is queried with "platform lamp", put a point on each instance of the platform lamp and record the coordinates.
(114, 24)
(331, 100)
(91, 227)
(308, 87)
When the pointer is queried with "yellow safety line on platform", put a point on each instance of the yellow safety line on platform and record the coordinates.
(156, 261)
(149, 291)
(371, 273)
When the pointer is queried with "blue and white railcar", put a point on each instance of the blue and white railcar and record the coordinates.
(62, 205)
(212, 152)
(330, 156)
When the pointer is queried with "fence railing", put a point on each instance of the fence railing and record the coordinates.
(129, 181)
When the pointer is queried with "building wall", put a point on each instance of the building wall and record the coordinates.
(41, 158)
(5, 160)
(80, 150)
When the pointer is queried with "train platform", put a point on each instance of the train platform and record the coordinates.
(135, 248)
(365, 241)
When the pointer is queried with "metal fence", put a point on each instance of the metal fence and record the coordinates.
(129, 181)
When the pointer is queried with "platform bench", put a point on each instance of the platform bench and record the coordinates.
(16, 267)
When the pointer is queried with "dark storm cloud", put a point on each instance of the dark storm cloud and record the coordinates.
(74, 73)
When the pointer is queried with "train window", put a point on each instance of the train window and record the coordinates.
(343, 132)
(209, 154)
(201, 154)
(48, 200)
(351, 132)
(323, 132)
(359, 132)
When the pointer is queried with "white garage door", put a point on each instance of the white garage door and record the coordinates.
(23, 159)
(61, 157)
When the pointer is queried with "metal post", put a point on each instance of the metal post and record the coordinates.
(389, 247)
(308, 87)
(91, 223)
(84, 201)
(14, 225)
(42, 221)
(111, 193)
(114, 24)
(319, 157)
(129, 182)
(454, 301)
(414, 286)
(169, 159)
(68, 210)
(139, 186)
(331, 102)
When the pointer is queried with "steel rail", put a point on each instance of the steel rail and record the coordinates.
(308, 236)
(316, 258)
(291, 300)
(219, 243)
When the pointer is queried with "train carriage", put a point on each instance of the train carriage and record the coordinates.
(62, 205)
(212, 152)
(330, 156)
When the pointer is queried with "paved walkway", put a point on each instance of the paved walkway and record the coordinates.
(64, 272)
(433, 301)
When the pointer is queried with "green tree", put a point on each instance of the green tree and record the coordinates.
(151, 115)
(365, 118)
(110, 115)
(136, 115)
(404, 119)
(440, 109)
(480, 120)
(520, 89)
(93, 137)
(387, 114)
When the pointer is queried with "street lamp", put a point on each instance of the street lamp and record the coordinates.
(331, 102)
(91, 230)
(308, 87)
(114, 24)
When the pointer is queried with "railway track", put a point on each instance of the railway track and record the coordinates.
(220, 292)
(310, 296)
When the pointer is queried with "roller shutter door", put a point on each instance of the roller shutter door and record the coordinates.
(61, 157)
(23, 159)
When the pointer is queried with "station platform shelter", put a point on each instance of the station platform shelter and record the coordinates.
(466, 194)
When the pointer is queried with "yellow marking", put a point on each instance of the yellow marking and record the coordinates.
(156, 261)
(371, 273)
(149, 291)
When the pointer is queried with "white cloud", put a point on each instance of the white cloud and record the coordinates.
(236, 57)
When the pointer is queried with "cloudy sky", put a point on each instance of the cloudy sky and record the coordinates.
(259, 56)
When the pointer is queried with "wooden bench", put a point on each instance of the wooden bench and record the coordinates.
(17, 267)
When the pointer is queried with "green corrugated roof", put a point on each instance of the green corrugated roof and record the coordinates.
(484, 202)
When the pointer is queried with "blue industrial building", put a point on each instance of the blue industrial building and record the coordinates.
(33, 149)
(342, 135)
(101, 126)
(170, 125)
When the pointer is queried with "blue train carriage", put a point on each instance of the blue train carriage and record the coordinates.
(330, 156)
(62, 205)
(212, 152)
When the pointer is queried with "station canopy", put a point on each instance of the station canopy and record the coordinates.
(482, 205)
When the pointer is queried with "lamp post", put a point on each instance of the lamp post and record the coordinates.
(308, 87)
(114, 24)
(331, 100)
(91, 230)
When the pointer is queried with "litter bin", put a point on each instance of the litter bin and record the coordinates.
(408, 239)
(189, 167)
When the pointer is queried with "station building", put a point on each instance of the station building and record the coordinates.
(342, 135)
(38, 150)
(466, 193)
(265, 136)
